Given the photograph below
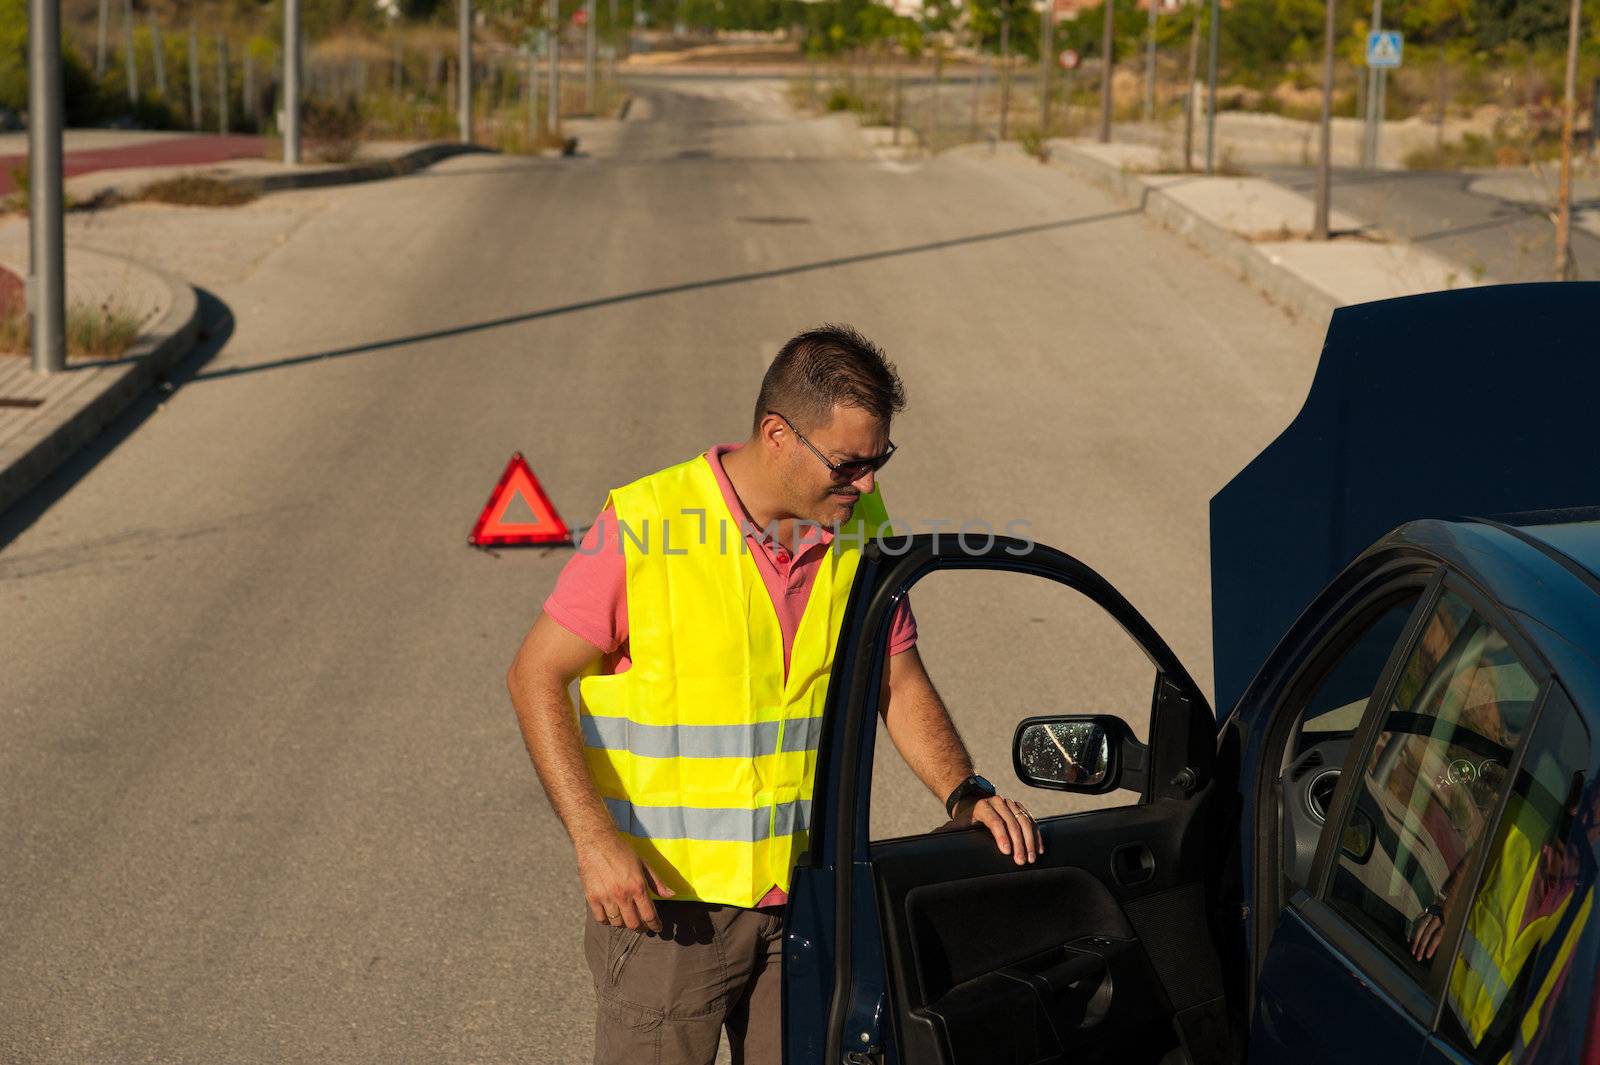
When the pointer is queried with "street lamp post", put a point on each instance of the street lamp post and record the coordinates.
(1319, 221)
(1107, 58)
(47, 275)
(553, 16)
(291, 82)
(464, 74)
(1211, 88)
(1047, 59)
(1150, 65)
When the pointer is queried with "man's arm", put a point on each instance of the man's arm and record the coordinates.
(926, 738)
(616, 882)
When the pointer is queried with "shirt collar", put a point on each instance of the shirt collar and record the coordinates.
(811, 536)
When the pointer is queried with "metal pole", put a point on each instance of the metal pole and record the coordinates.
(1568, 113)
(47, 275)
(612, 35)
(1378, 113)
(553, 57)
(222, 84)
(977, 84)
(252, 104)
(100, 43)
(1005, 71)
(1211, 89)
(1150, 65)
(1047, 60)
(588, 56)
(1319, 221)
(1108, 58)
(291, 82)
(158, 55)
(464, 71)
(1369, 144)
(1188, 91)
(533, 90)
(194, 77)
(897, 102)
(132, 58)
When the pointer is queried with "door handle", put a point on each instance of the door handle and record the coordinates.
(1132, 864)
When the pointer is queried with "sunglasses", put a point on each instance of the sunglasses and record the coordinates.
(850, 469)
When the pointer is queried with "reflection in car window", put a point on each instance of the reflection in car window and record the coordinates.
(1326, 719)
(1335, 705)
(1432, 781)
(1537, 889)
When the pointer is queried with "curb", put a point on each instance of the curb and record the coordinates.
(1284, 287)
(78, 417)
(399, 166)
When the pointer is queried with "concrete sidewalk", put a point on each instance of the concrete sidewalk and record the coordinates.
(44, 418)
(1259, 229)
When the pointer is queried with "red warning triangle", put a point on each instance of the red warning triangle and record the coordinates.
(532, 519)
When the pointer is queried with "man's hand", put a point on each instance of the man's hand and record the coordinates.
(1008, 821)
(1428, 934)
(617, 884)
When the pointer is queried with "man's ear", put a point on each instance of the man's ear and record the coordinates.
(769, 432)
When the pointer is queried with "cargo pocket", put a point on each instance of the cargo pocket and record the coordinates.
(621, 947)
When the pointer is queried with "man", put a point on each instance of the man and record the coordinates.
(701, 612)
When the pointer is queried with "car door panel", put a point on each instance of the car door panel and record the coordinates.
(1063, 960)
(1315, 1007)
(938, 950)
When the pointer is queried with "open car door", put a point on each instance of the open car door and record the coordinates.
(938, 950)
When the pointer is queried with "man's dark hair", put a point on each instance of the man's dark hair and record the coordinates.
(829, 365)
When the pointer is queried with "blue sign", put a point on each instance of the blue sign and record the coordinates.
(1384, 48)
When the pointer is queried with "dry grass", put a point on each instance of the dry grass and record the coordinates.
(195, 190)
(93, 332)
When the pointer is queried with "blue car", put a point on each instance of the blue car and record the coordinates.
(1383, 850)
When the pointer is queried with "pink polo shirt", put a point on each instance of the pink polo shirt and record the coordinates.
(591, 595)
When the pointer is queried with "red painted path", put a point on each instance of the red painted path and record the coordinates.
(196, 150)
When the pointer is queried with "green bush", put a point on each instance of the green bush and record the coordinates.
(844, 100)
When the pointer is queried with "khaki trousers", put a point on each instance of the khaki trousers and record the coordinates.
(664, 998)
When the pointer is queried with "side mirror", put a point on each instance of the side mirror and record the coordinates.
(1088, 754)
(1358, 837)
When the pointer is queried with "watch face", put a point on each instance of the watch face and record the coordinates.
(985, 785)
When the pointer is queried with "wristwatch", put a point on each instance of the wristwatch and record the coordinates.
(972, 786)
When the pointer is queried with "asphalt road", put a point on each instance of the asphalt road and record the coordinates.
(1489, 236)
(262, 797)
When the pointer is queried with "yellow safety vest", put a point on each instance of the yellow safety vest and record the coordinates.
(703, 751)
(1497, 944)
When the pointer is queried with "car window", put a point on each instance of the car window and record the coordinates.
(1327, 715)
(1433, 779)
(1001, 647)
(1537, 881)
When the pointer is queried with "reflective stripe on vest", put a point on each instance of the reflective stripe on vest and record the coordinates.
(703, 750)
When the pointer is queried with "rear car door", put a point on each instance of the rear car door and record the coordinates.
(935, 949)
(1383, 943)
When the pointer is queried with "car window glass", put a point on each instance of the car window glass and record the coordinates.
(1433, 779)
(1328, 715)
(1537, 881)
(1000, 647)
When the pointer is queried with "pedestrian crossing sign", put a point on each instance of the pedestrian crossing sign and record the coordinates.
(1384, 48)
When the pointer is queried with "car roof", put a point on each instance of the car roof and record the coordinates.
(1539, 569)
(1572, 534)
